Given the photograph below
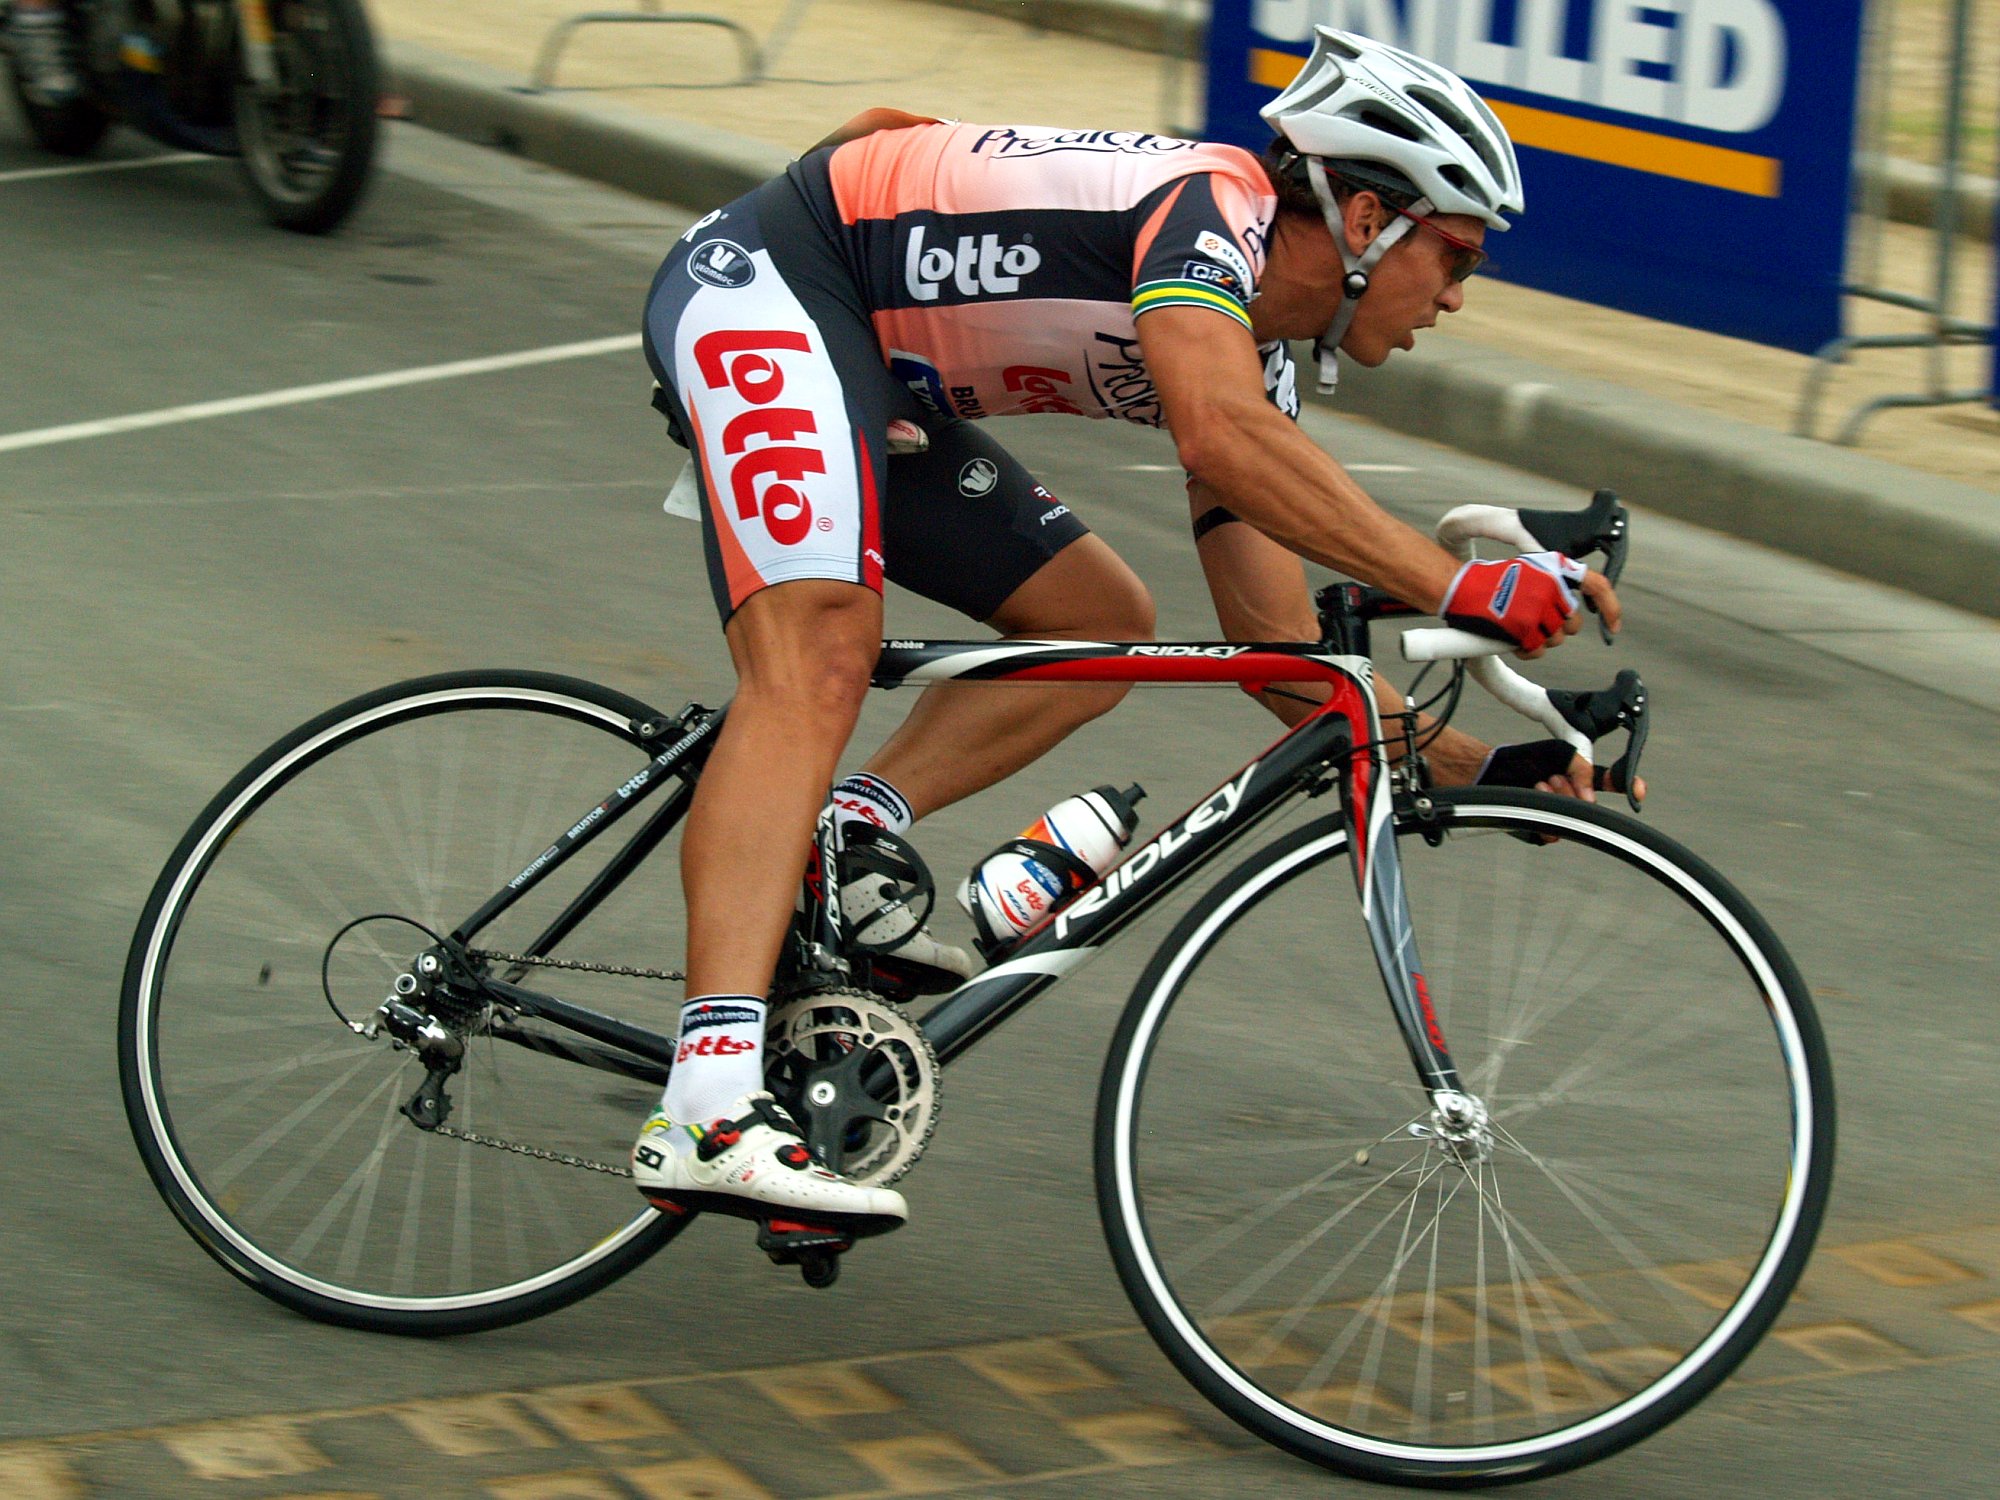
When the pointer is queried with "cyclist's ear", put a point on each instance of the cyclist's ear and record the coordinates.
(1364, 217)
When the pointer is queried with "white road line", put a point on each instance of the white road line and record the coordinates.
(47, 436)
(33, 174)
(1379, 469)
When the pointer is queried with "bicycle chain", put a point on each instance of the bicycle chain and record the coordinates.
(560, 1158)
(585, 966)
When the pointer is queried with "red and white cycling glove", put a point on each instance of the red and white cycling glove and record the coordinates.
(1521, 599)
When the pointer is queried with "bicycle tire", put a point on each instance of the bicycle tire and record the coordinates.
(273, 1130)
(307, 150)
(1553, 1312)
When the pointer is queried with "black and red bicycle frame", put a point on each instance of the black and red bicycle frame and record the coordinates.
(1338, 747)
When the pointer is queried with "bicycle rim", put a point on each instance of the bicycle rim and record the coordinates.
(1355, 1288)
(277, 1133)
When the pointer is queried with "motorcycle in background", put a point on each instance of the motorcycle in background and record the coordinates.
(288, 87)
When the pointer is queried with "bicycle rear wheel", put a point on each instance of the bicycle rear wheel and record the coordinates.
(314, 879)
(1349, 1284)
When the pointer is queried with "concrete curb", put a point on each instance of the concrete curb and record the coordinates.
(1932, 536)
(643, 154)
(1179, 30)
(1916, 531)
(1910, 194)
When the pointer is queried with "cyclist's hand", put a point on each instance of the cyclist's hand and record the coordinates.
(1584, 781)
(1531, 600)
(1547, 766)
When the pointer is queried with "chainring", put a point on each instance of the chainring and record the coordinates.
(859, 1076)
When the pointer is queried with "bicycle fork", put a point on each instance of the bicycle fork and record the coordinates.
(1458, 1118)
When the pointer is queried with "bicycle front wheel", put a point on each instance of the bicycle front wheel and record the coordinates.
(1346, 1279)
(279, 1135)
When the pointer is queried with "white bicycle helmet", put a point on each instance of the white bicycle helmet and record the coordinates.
(1364, 102)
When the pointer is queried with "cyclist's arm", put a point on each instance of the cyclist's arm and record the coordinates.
(1255, 459)
(1261, 594)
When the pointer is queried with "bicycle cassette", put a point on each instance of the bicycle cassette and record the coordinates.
(859, 1076)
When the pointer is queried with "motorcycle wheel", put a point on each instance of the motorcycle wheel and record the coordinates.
(307, 145)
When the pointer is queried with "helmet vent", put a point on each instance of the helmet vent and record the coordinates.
(1316, 95)
(1389, 124)
(1463, 180)
(1449, 112)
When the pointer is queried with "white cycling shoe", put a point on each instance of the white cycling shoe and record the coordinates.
(754, 1164)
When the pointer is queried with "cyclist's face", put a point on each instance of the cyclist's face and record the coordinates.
(1409, 288)
(1412, 286)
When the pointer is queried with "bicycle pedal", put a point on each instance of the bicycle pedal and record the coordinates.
(814, 1248)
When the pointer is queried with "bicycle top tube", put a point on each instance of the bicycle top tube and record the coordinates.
(1183, 663)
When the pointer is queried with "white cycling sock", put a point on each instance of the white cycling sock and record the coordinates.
(719, 1059)
(866, 798)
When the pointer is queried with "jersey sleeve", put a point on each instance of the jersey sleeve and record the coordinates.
(1281, 377)
(1201, 244)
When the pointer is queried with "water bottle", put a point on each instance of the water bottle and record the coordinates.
(1061, 853)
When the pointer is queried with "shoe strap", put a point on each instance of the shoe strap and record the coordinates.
(718, 1136)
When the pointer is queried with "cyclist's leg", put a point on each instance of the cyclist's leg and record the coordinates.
(967, 526)
(803, 652)
(769, 371)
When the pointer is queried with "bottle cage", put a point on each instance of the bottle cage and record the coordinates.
(868, 850)
(1074, 873)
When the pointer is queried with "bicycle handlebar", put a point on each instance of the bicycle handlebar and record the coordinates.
(1446, 643)
(1575, 719)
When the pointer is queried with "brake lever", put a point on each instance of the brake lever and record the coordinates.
(1623, 705)
(1603, 526)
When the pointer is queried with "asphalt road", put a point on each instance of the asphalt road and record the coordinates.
(176, 597)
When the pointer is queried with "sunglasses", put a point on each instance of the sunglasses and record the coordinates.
(1466, 257)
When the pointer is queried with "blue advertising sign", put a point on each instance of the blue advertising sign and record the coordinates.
(1684, 159)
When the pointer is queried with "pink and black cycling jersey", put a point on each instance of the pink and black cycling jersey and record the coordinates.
(934, 274)
(1005, 267)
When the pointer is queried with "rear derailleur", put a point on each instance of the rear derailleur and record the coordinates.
(436, 989)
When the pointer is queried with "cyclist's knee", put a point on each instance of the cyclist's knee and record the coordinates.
(1134, 617)
(808, 646)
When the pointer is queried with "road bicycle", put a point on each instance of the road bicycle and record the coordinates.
(403, 992)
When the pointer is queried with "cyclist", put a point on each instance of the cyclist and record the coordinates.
(44, 52)
(910, 275)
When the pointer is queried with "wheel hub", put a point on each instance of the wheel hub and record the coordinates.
(1459, 1123)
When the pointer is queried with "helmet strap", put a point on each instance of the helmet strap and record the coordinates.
(1355, 284)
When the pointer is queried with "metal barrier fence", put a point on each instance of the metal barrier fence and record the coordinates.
(1944, 329)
